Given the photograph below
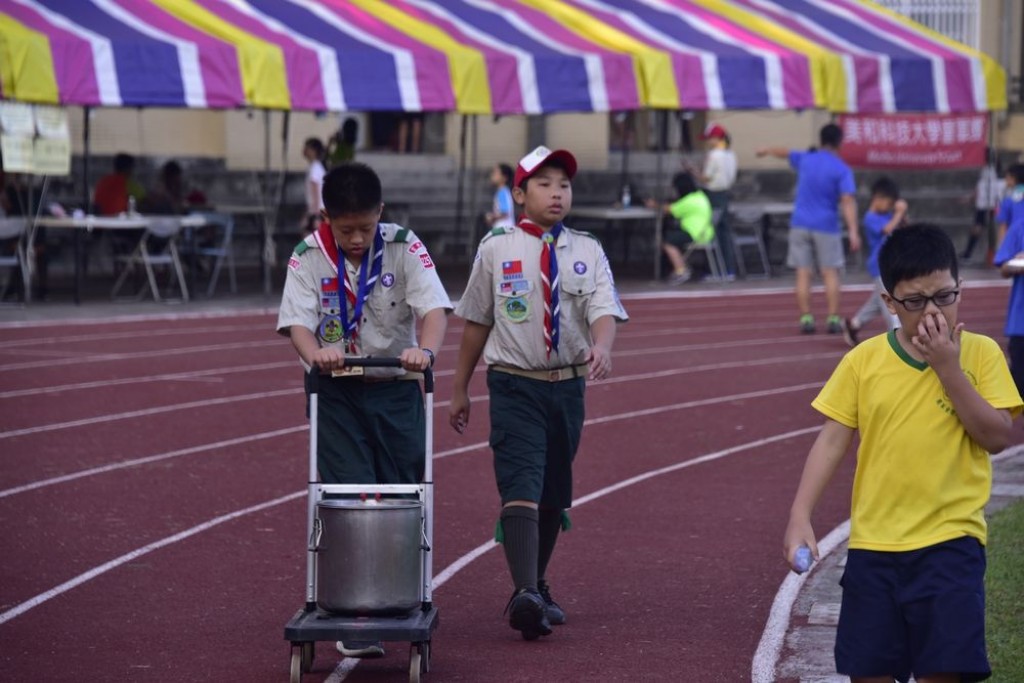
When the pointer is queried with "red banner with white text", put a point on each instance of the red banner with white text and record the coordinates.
(914, 141)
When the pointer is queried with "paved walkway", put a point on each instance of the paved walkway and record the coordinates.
(807, 653)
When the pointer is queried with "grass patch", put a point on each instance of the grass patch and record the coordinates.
(1004, 592)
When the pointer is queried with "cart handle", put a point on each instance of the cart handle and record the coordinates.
(428, 374)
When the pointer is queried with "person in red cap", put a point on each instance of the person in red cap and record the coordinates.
(717, 178)
(541, 308)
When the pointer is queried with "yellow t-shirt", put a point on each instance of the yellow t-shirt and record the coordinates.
(920, 479)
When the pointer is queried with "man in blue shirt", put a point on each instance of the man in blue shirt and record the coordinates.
(824, 189)
(1010, 261)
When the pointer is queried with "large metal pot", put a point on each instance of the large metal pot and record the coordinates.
(368, 556)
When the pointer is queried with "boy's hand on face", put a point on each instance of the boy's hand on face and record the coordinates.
(600, 362)
(328, 359)
(937, 344)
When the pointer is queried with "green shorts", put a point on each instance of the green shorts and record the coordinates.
(535, 431)
(370, 432)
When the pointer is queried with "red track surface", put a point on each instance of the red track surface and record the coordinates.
(670, 578)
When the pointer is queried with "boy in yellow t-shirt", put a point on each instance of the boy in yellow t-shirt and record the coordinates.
(930, 402)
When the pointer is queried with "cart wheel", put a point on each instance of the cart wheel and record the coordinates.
(415, 665)
(296, 669)
(308, 651)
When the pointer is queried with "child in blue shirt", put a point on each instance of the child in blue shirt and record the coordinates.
(886, 212)
(1011, 209)
(502, 213)
(1011, 251)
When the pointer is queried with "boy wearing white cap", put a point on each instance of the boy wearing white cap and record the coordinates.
(541, 308)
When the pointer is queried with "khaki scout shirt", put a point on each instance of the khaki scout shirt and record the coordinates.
(408, 287)
(505, 293)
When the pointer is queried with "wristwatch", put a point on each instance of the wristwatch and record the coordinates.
(430, 355)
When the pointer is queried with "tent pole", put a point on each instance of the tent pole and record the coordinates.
(86, 152)
(269, 247)
(990, 226)
(474, 193)
(266, 201)
(659, 183)
(464, 125)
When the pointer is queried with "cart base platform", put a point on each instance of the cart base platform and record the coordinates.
(315, 625)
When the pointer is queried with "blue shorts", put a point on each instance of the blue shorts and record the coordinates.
(919, 612)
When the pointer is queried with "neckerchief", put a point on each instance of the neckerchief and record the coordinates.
(549, 278)
(369, 272)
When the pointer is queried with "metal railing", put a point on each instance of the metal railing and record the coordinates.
(956, 19)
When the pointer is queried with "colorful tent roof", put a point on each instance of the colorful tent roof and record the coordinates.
(487, 56)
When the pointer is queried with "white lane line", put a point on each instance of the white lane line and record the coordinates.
(458, 565)
(139, 552)
(92, 471)
(443, 454)
(133, 334)
(111, 357)
(766, 657)
(169, 377)
(216, 314)
(439, 580)
(147, 412)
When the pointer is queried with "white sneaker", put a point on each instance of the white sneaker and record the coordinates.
(361, 649)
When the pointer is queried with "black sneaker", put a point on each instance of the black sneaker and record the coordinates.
(527, 614)
(807, 324)
(850, 333)
(834, 325)
(555, 614)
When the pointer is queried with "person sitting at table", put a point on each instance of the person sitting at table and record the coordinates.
(692, 225)
(168, 197)
(113, 190)
(114, 195)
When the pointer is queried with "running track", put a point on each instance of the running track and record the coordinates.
(153, 521)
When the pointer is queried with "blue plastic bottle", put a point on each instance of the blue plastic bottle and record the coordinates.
(802, 560)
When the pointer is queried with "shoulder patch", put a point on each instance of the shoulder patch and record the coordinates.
(401, 235)
(495, 232)
(584, 233)
(300, 248)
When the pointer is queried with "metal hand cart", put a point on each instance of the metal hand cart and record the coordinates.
(312, 623)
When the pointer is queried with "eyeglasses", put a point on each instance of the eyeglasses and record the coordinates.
(917, 303)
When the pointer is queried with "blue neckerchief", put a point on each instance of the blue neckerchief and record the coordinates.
(368, 276)
(552, 238)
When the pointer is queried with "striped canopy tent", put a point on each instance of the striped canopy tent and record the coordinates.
(487, 56)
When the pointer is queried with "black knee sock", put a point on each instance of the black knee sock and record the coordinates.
(519, 524)
(549, 524)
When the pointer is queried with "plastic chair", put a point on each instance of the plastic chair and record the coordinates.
(219, 252)
(712, 252)
(750, 235)
(13, 229)
(157, 247)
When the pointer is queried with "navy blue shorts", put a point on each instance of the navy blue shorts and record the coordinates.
(535, 430)
(919, 612)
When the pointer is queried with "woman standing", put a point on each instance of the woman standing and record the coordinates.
(313, 152)
(717, 178)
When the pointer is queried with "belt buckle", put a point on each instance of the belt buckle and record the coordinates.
(554, 375)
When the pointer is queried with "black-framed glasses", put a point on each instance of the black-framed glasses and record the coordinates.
(917, 303)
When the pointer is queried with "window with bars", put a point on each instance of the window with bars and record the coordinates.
(956, 19)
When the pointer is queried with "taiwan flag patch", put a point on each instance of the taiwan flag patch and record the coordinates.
(511, 270)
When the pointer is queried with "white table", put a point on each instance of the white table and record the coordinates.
(89, 223)
(623, 216)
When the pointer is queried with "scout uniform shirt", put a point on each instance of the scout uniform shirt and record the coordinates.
(408, 284)
(505, 293)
